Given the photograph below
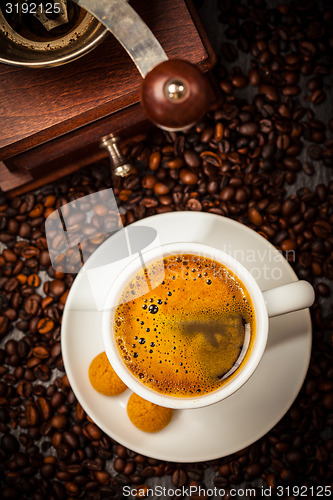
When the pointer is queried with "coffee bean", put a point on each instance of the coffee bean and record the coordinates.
(283, 142)
(315, 152)
(93, 431)
(241, 195)
(255, 216)
(29, 252)
(322, 228)
(212, 187)
(226, 87)
(266, 125)
(44, 258)
(119, 464)
(194, 205)
(318, 96)
(328, 401)
(59, 421)
(288, 245)
(308, 168)
(188, 177)
(11, 284)
(322, 289)
(179, 478)
(161, 189)
(295, 457)
(253, 470)
(227, 193)
(154, 160)
(45, 325)
(9, 255)
(213, 158)
(254, 77)
(5, 237)
(45, 408)
(9, 443)
(40, 352)
(129, 468)
(292, 163)
(121, 451)
(47, 471)
(192, 159)
(148, 181)
(291, 90)
(248, 129)
(56, 349)
(289, 207)
(269, 91)
(56, 287)
(31, 415)
(175, 163)
(149, 202)
(239, 81)
(11, 347)
(4, 325)
(71, 440)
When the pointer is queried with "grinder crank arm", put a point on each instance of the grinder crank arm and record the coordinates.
(174, 93)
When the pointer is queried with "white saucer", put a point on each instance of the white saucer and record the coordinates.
(226, 427)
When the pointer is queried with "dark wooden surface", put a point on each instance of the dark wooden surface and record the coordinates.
(40, 104)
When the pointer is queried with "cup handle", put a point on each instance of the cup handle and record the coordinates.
(287, 298)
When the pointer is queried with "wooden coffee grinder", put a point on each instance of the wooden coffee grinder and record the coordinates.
(62, 107)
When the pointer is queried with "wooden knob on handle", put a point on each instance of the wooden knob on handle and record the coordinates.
(175, 95)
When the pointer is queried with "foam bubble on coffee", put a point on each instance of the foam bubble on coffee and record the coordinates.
(188, 335)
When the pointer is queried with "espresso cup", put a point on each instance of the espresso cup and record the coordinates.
(283, 299)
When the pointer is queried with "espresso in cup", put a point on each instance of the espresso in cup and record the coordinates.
(190, 333)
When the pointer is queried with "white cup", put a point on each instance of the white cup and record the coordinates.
(287, 298)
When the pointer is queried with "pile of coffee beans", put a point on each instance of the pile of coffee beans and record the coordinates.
(262, 156)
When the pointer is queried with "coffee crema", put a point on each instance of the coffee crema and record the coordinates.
(189, 334)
